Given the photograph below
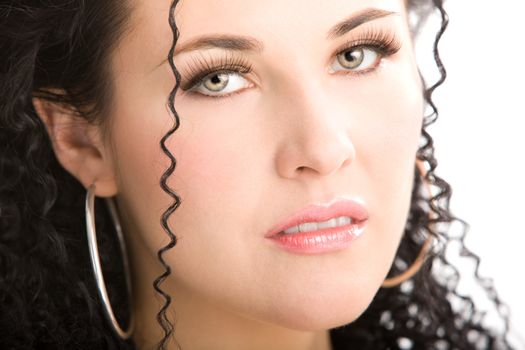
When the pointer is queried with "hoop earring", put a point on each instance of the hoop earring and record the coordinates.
(95, 261)
(416, 265)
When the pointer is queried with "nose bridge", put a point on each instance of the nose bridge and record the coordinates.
(315, 127)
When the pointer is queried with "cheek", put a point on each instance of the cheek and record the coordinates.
(386, 148)
(210, 177)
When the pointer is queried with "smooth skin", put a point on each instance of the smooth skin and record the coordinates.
(296, 133)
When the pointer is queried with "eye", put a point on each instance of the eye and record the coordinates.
(220, 84)
(358, 59)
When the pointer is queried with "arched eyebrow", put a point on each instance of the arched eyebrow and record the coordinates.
(247, 43)
(356, 20)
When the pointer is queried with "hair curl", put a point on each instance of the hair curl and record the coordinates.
(63, 45)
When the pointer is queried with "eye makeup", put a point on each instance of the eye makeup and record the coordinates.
(200, 67)
(383, 42)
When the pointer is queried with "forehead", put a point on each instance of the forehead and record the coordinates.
(257, 18)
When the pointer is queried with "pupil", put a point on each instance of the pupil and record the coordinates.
(353, 55)
(350, 56)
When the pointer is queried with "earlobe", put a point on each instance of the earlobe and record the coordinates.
(78, 146)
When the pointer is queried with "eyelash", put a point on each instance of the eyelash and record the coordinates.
(384, 43)
(200, 68)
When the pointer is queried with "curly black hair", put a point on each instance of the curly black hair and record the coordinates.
(58, 50)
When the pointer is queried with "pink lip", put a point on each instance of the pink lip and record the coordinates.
(325, 240)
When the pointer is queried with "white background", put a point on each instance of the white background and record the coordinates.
(480, 138)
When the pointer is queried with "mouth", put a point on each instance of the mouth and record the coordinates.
(321, 228)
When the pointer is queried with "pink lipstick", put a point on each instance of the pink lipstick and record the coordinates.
(321, 228)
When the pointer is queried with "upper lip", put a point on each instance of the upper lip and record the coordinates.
(322, 212)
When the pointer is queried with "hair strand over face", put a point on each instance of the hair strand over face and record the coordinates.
(161, 316)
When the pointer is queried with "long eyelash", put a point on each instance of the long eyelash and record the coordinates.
(385, 42)
(200, 67)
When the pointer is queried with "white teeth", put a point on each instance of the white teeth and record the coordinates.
(314, 226)
(308, 226)
(293, 229)
(330, 223)
(344, 220)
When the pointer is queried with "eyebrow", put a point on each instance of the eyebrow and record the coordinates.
(246, 43)
(356, 20)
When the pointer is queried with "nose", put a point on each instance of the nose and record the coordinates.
(315, 136)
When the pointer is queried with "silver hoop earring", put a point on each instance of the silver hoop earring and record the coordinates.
(95, 261)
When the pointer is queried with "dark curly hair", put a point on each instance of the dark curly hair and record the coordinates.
(58, 50)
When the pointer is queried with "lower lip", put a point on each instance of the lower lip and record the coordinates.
(321, 241)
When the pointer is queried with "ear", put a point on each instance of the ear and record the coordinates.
(78, 146)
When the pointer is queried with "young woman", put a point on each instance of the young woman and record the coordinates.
(265, 163)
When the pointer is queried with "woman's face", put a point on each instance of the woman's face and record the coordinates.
(305, 126)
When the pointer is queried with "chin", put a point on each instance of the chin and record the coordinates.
(317, 322)
(316, 316)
